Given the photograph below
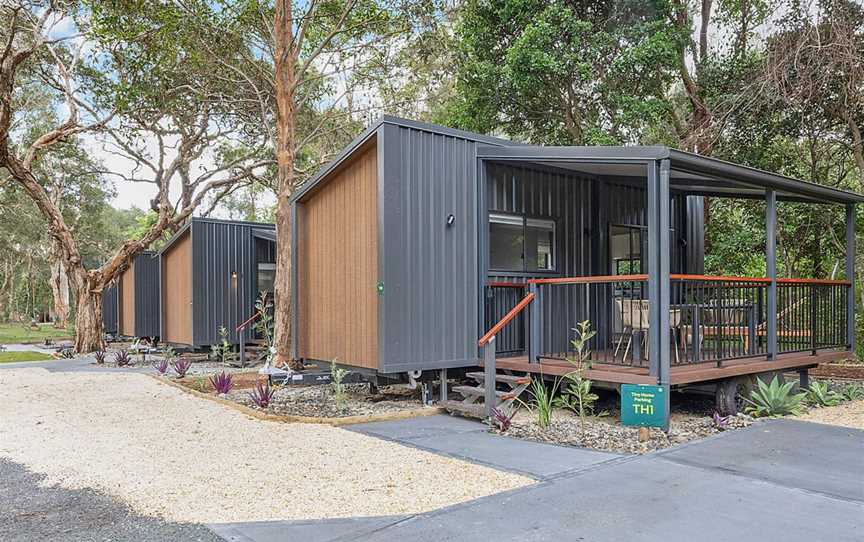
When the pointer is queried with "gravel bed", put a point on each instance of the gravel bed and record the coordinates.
(169, 454)
(849, 414)
(319, 401)
(607, 434)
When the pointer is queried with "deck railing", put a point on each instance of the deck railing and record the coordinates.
(712, 319)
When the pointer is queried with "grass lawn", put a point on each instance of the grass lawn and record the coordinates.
(20, 333)
(15, 357)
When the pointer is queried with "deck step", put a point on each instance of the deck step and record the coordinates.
(477, 391)
(480, 376)
(473, 411)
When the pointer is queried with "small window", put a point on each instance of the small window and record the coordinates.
(266, 277)
(521, 244)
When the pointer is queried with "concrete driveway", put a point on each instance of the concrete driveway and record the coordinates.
(780, 480)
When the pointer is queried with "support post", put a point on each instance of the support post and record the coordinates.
(850, 276)
(659, 289)
(443, 388)
(771, 268)
(534, 325)
(489, 377)
(243, 347)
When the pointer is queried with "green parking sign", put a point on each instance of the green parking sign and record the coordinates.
(644, 406)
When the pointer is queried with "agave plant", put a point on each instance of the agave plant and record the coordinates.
(100, 357)
(122, 358)
(222, 383)
(502, 419)
(262, 395)
(818, 394)
(853, 392)
(773, 399)
(161, 366)
(181, 367)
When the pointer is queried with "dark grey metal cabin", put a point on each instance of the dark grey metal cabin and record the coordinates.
(109, 309)
(211, 273)
(422, 247)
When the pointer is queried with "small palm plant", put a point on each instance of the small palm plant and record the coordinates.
(773, 399)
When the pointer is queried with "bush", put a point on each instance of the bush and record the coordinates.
(818, 394)
(773, 399)
(337, 375)
(161, 366)
(262, 396)
(181, 367)
(222, 383)
(542, 400)
(100, 357)
(853, 392)
(122, 358)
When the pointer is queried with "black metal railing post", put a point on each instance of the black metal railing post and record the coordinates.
(534, 318)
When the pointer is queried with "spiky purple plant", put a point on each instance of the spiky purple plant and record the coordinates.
(181, 367)
(262, 395)
(720, 422)
(122, 358)
(100, 357)
(502, 419)
(161, 366)
(222, 383)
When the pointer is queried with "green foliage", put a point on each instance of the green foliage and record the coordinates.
(542, 402)
(264, 323)
(340, 394)
(223, 350)
(853, 392)
(576, 393)
(16, 357)
(773, 399)
(818, 394)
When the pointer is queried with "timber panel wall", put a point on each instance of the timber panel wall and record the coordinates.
(177, 292)
(338, 266)
(127, 301)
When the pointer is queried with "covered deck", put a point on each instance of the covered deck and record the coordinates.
(635, 270)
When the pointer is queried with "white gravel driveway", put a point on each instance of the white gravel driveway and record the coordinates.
(169, 454)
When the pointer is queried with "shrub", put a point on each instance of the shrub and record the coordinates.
(818, 394)
(542, 400)
(222, 383)
(100, 357)
(502, 419)
(161, 366)
(578, 397)
(773, 399)
(337, 375)
(853, 392)
(720, 422)
(67, 353)
(122, 358)
(181, 367)
(262, 395)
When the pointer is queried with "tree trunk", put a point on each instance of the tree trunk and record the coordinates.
(60, 293)
(88, 319)
(285, 59)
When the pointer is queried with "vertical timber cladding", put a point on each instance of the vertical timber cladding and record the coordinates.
(223, 274)
(429, 269)
(127, 301)
(177, 291)
(338, 265)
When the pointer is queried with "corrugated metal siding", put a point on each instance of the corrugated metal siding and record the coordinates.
(109, 309)
(429, 313)
(218, 248)
(147, 295)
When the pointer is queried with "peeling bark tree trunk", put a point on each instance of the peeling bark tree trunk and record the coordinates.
(88, 319)
(60, 293)
(285, 67)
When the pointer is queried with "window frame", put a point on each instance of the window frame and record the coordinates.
(524, 217)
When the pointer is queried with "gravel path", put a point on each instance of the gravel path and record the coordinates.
(32, 511)
(169, 454)
(849, 414)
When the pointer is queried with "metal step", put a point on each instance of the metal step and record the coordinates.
(473, 411)
(477, 391)
(480, 376)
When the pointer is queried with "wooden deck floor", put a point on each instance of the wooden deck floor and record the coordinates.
(686, 374)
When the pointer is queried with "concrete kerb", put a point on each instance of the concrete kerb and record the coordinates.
(279, 418)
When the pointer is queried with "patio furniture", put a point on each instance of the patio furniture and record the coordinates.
(634, 320)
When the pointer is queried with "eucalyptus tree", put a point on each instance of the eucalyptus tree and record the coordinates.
(142, 90)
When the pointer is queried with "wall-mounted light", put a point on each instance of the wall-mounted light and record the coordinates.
(450, 220)
(234, 275)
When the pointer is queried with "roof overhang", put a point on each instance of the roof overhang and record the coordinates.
(691, 174)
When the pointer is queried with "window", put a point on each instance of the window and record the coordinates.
(626, 249)
(521, 244)
(266, 277)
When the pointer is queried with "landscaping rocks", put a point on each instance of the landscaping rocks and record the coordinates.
(319, 401)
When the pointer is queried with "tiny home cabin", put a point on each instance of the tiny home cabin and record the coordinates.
(130, 306)
(212, 271)
(422, 248)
